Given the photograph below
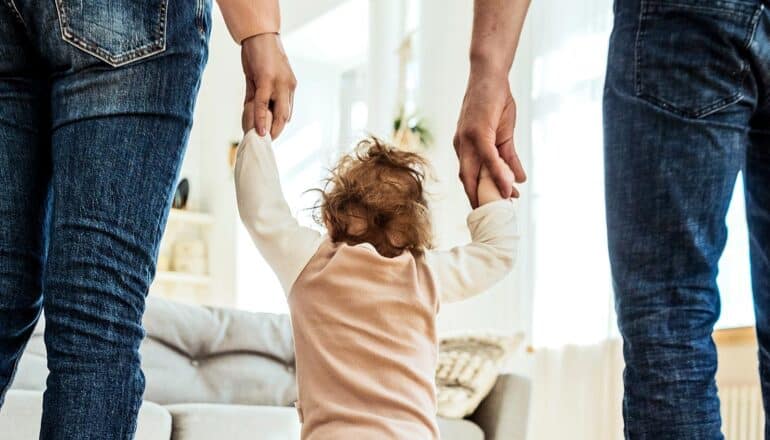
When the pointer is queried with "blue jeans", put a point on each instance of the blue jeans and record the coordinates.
(96, 103)
(686, 107)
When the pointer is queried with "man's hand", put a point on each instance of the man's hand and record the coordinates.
(270, 85)
(485, 136)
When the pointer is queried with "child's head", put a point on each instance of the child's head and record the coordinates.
(376, 196)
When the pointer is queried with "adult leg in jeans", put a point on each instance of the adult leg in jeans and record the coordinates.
(757, 182)
(121, 114)
(757, 179)
(24, 182)
(678, 100)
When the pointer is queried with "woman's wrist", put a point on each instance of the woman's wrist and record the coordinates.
(486, 63)
(261, 34)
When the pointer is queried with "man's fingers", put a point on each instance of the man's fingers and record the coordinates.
(262, 108)
(508, 153)
(281, 111)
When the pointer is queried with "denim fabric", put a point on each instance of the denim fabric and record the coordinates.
(96, 103)
(685, 109)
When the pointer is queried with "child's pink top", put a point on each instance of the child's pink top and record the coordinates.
(365, 340)
(365, 325)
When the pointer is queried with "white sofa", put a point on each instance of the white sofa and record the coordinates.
(227, 374)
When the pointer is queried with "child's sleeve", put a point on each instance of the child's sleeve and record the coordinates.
(465, 271)
(281, 240)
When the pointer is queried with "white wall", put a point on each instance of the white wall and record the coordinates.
(385, 36)
(216, 124)
(296, 13)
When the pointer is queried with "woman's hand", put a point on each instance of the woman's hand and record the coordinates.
(270, 85)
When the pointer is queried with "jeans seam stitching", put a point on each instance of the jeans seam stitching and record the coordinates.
(754, 24)
(700, 112)
(734, 13)
(199, 17)
(16, 12)
(147, 50)
(637, 47)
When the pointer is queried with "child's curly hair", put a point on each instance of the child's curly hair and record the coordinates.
(376, 196)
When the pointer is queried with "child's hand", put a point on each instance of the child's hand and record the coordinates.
(487, 190)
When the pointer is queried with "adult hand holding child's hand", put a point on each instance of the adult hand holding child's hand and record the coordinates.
(270, 85)
(484, 136)
(488, 114)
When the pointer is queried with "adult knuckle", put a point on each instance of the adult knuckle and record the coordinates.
(471, 134)
(265, 82)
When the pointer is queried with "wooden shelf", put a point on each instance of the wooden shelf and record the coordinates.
(190, 217)
(182, 278)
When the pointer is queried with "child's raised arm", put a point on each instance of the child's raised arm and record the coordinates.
(468, 270)
(281, 240)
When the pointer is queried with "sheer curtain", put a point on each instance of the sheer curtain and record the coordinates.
(572, 301)
(577, 383)
(577, 362)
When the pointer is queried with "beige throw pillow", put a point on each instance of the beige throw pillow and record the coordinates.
(468, 367)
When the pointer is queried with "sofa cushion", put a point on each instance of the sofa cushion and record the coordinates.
(233, 422)
(459, 429)
(20, 418)
(199, 354)
(467, 370)
(238, 422)
(210, 355)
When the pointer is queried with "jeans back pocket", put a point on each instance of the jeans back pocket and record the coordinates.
(115, 31)
(690, 54)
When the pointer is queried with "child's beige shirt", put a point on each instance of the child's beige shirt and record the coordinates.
(365, 325)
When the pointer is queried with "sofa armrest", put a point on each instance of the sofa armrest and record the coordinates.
(503, 415)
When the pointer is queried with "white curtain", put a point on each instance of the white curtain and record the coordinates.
(577, 393)
(577, 368)
(572, 286)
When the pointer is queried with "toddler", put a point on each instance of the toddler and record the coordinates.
(364, 298)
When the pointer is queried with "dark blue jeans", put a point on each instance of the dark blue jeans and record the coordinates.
(686, 107)
(96, 103)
